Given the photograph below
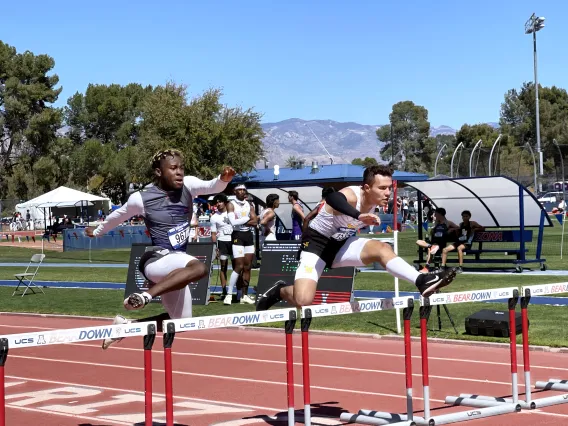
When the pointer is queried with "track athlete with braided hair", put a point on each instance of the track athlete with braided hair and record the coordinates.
(331, 241)
(167, 209)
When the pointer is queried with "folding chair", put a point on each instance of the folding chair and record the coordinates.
(24, 278)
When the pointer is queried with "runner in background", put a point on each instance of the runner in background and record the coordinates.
(242, 217)
(268, 217)
(221, 230)
(166, 207)
(297, 215)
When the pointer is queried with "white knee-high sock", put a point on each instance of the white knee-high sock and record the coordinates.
(399, 268)
(233, 281)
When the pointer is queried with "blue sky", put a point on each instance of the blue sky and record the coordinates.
(339, 60)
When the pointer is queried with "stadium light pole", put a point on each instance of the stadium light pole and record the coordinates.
(532, 26)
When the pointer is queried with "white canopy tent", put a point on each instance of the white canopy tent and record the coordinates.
(492, 201)
(41, 206)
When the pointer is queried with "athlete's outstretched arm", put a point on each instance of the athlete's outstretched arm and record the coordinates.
(133, 207)
(203, 187)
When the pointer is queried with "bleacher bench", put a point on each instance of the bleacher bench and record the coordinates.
(479, 247)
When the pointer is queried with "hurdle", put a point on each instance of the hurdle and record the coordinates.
(552, 384)
(171, 327)
(487, 406)
(372, 305)
(86, 334)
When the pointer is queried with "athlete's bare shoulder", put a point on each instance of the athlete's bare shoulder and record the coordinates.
(350, 195)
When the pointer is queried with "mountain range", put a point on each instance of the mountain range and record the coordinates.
(321, 140)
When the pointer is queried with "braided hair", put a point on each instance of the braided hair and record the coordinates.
(160, 155)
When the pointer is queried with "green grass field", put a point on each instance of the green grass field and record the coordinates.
(546, 321)
(552, 242)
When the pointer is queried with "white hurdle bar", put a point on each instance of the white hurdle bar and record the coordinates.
(371, 305)
(484, 407)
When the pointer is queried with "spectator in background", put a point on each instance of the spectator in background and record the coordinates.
(297, 215)
(439, 236)
(268, 217)
(221, 230)
(463, 239)
(242, 217)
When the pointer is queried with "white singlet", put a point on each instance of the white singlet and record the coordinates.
(220, 224)
(241, 210)
(339, 227)
(270, 226)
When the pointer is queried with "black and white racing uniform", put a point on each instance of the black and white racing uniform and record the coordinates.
(331, 241)
(270, 227)
(242, 238)
(167, 215)
(222, 227)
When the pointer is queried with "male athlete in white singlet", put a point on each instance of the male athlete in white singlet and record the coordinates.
(332, 241)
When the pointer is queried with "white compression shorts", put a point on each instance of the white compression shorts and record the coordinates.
(240, 251)
(311, 266)
(177, 303)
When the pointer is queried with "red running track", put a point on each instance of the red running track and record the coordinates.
(237, 377)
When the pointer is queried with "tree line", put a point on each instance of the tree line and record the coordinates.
(408, 145)
(103, 139)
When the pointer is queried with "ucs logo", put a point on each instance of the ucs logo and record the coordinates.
(26, 341)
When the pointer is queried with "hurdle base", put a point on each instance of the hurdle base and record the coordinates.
(478, 413)
(552, 384)
(392, 417)
(372, 420)
(524, 405)
(476, 402)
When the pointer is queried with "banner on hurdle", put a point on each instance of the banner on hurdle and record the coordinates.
(483, 407)
(228, 320)
(470, 296)
(171, 327)
(344, 308)
(147, 330)
(72, 335)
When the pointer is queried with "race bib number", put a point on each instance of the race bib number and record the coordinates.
(179, 235)
(438, 234)
(344, 233)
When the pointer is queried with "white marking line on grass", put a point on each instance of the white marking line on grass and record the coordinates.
(333, 367)
(213, 376)
(277, 345)
(74, 416)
